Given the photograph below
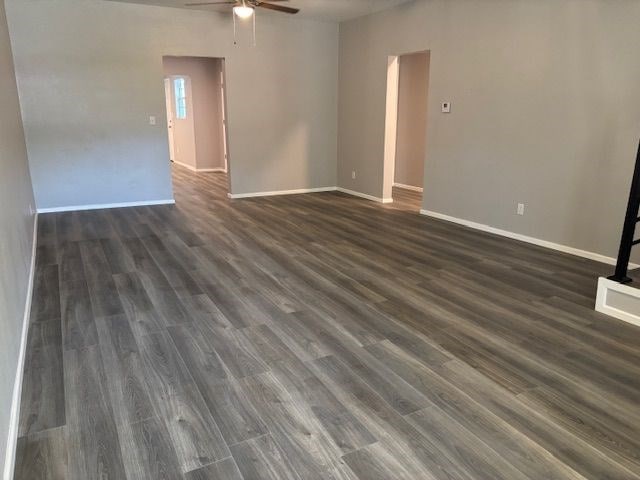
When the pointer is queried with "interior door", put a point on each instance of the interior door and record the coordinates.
(170, 120)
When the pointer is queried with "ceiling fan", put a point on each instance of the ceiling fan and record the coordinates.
(244, 8)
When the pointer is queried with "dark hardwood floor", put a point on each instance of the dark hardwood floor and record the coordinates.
(317, 336)
(405, 199)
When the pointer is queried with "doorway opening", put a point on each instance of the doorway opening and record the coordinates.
(195, 95)
(406, 129)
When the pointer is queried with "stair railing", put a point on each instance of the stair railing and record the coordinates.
(631, 218)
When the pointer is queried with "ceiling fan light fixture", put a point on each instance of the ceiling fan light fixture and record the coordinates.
(242, 11)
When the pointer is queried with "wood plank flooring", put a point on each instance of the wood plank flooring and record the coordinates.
(405, 199)
(317, 336)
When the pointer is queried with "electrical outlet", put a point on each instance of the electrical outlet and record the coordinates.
(152, 120)
(353, 174)
(520, 210)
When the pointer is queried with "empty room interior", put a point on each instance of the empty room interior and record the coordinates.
(318, 239)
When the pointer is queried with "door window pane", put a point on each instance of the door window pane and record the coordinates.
(181, 97)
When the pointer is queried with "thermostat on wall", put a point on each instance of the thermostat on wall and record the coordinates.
(446, 107)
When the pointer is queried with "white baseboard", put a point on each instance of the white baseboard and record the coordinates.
(524, 238)
(364, 195)
(618, 300)
(309, 190)
(185, 165)
(408, 187)
(14, 419)
(200, 170)
(100, 206)
(281, 192)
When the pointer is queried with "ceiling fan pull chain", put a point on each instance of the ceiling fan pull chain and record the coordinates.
(235, 41)
(254, 28)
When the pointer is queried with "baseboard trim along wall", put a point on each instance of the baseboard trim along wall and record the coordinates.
(524, 238)
(199, 170)
(408, 187)
(310, 190)
(281, 192)
(14, 418)
(618, 301)
(100, 206)
(185, 165)
(364, 195)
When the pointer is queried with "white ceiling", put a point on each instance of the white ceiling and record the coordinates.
(328, 10)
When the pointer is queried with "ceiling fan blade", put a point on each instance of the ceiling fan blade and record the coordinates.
(198, 4)
(278, 8)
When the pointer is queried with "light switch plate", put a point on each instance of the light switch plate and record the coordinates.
(446, 107)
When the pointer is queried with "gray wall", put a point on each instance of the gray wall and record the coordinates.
(90, 74)
(206, 110)
(545, 111)
(413, 85)
(16, 230)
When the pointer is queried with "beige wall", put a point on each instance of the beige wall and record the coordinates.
(16, 234)
(90, 74)
(544, 111)
(205, 117)
(413, 85)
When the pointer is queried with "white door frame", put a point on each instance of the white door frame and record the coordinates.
(225, 123)
(390, 127)
(168, 94)
(223, 107)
